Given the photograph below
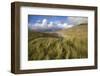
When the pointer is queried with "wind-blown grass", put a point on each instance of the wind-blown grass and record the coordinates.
(42, 46)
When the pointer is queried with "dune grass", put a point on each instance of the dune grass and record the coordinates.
(41, 46)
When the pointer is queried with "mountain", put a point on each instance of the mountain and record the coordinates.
(76, 31)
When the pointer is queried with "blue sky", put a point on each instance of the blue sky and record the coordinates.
(52, 23)
(34, 18)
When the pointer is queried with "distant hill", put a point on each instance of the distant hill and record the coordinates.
(77, 31)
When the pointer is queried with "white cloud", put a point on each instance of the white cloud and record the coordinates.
(41, 25)
(64, 25)
(44, 25)
(50, 24)
(77, 20)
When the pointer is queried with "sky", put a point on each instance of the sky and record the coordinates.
(53, 23)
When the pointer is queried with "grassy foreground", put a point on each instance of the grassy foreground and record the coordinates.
(71, 45)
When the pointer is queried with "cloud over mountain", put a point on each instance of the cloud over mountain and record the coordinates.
(49, 26)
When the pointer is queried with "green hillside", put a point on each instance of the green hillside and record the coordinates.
(63, 44)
